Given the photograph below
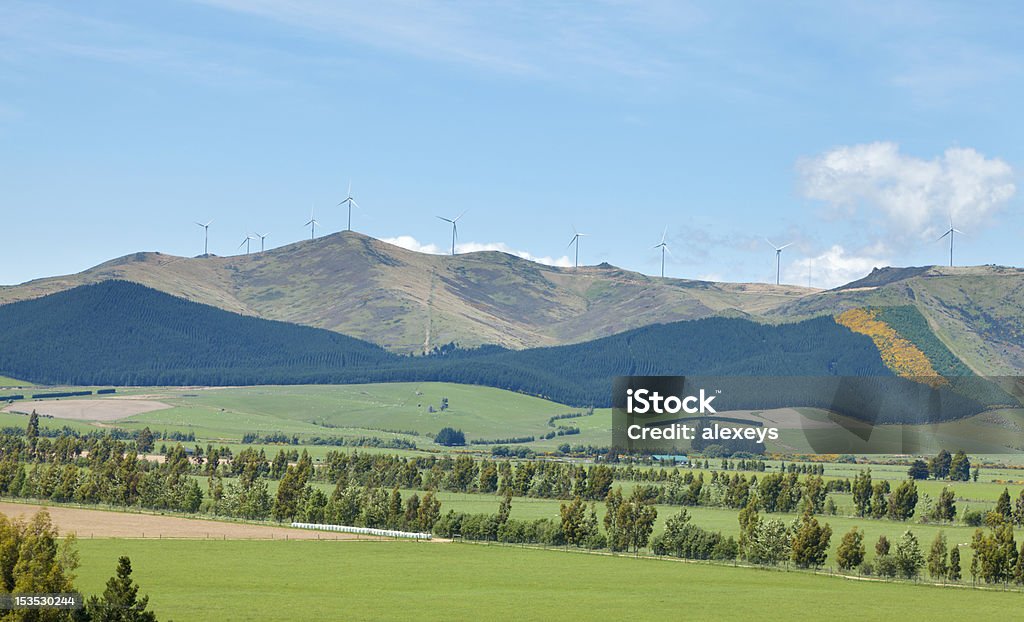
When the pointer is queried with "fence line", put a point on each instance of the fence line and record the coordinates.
(366, 531)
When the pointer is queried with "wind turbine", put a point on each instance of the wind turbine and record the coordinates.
(313, 222)
(455, 228)
(262, 237)
(778, 258)
(245, 243)
(950, 232)
(351, 201)
(576, 240)
(206, 240)
(664, 247)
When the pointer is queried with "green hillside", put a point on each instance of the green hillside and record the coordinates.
(13, 383)
(412, 412)
(410, 302)
(974, 311)
(122, 333)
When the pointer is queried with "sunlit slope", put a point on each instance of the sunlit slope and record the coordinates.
(411, 302)
(977, 312)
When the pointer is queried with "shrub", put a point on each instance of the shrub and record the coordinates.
(450, 437)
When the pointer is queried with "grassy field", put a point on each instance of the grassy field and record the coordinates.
(224, 415)
(6, 381)
(238, 580)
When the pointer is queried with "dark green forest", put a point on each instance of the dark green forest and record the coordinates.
(121, 333)
(911, 325)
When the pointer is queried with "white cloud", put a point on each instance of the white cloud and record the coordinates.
(410, 243)
(915, 196)
(714, 277)
(835, 266)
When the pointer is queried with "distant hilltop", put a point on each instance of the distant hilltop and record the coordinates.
(409, 302)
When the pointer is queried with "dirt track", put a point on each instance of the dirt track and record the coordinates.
(103, 524)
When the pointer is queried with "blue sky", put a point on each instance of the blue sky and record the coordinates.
(853, 130)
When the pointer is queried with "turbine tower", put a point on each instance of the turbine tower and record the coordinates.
(455, 228)
(664, 247)
(778, 258)
(951, 233)
(313, 222)
(262, 237)
(350, 201)
(245, 243)
(206, 239)
(576, 240)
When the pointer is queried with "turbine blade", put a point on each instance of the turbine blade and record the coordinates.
(944, 235)
(786, 246)
(460, 215)
(446, 219)
(664, 234)
(959, 231)
(353, 201)
(772, 244)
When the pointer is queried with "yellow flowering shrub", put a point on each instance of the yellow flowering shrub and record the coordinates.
(901, 356)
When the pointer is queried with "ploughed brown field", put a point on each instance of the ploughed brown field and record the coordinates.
(103, 524)
(104, 409)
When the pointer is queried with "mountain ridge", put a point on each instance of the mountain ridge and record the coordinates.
(410, 302)
(123, 333)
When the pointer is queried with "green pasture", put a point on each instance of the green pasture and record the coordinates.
(6, 381)
(225, 414)
(310, 580)
(15, 420)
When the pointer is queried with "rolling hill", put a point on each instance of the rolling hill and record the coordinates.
(976, 311)
(123, 333)
(412, 302)
(408, 302)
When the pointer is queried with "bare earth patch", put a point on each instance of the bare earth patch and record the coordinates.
(102, 524)
(106, 409)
